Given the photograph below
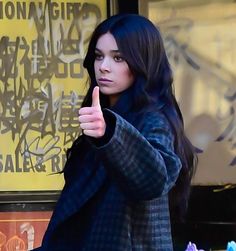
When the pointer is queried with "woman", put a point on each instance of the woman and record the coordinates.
(133, 152)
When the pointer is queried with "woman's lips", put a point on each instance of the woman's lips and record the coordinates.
(104, 80)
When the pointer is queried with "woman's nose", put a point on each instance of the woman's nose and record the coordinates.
(105, 65)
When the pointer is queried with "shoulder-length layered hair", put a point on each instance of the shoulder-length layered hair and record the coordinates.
(141, 45)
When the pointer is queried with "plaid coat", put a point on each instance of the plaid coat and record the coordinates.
(116, 195)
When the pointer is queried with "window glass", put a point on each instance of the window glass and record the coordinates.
(200, 40)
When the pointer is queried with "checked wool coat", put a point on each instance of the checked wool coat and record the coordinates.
(115, 196)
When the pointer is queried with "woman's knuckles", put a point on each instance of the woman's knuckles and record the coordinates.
(89, 110)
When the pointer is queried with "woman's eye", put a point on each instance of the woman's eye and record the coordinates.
(118, 58)
(98, 56)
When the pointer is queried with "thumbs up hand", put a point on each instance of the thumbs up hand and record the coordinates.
(91, 118)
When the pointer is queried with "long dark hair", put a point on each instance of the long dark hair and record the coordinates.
(140, 43)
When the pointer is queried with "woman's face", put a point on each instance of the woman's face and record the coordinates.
(111, 70)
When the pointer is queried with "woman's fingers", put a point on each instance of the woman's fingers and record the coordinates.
(94, 133)
(96, 97)
(89, 110)
(91, 118)
(91, 125)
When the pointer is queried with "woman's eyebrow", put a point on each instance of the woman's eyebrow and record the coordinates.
(114, 51)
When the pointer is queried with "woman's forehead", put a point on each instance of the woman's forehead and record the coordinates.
(107, 42)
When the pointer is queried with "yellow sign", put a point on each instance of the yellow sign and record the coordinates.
(42, 85)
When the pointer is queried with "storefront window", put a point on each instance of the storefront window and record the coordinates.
(201, 45)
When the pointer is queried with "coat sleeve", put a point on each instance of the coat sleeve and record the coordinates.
(143, 163)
